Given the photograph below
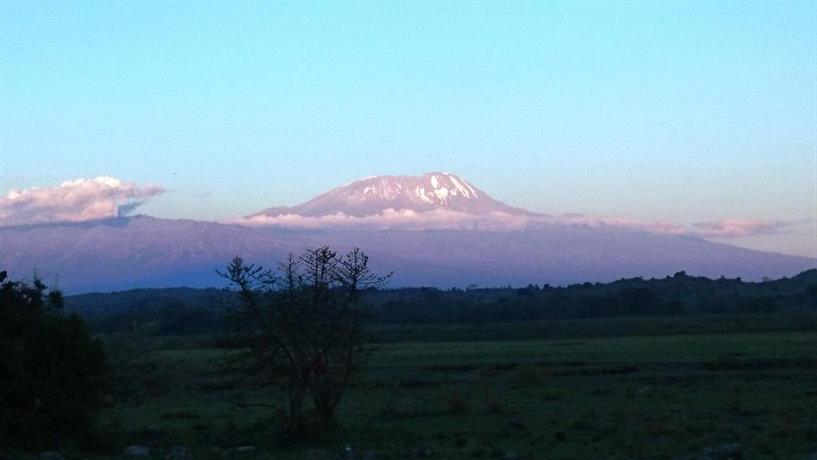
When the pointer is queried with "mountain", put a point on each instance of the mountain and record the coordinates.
(141, 251)
(374, 195)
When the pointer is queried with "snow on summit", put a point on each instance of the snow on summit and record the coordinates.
(373, 196)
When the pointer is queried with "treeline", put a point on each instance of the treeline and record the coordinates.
(195, 311)
(680, 294)
(171, 311)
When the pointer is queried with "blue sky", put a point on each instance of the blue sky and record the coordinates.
(682, 111)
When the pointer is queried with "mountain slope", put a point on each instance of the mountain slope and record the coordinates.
(147, 252)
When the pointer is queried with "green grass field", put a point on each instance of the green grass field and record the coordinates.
(617, 397)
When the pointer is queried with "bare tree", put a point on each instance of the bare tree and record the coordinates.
(304, 326)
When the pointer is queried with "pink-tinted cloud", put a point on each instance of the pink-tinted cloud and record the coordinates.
(437, 219)
(724, 228)
(497, 221)
(654, 226)
(736, 228)
(73, 201)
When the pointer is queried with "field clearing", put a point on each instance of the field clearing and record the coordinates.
(622, 397)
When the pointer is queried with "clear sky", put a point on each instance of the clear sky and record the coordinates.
(681, 111)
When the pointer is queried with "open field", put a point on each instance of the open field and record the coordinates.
(610, 397)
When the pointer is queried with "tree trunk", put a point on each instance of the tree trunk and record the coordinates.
(325, 398)
(297, 394)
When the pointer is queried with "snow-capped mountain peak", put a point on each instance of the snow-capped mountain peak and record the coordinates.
(373, 195)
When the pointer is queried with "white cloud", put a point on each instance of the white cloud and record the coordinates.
(74, 201)
(437, 219)
(446, 219)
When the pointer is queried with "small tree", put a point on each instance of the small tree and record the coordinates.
(303, 327)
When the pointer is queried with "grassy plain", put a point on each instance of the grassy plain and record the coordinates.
(630, 397)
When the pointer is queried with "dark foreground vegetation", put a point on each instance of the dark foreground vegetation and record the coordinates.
(497, 373)
(52, 373)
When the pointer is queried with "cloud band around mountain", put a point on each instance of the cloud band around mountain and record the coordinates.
(74, 201)
(437, 219)
(442, 219)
